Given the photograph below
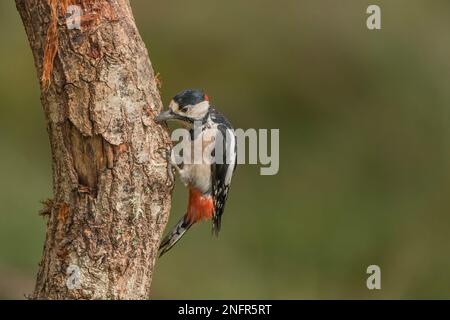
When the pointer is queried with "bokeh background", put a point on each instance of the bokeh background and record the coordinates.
(364, 147)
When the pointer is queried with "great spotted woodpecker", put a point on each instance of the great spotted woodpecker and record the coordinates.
(208, 180)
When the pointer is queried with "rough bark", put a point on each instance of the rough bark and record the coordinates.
(111, 192)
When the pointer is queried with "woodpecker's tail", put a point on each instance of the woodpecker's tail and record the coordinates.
(175, 235)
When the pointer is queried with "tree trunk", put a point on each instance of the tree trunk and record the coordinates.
(111, 189)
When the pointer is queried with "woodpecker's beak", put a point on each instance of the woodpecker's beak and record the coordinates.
(164, 116)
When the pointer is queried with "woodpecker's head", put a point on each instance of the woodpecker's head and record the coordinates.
(186, 107)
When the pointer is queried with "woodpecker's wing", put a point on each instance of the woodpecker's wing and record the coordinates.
(223, 172)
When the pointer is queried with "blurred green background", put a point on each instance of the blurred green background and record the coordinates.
(364, 147)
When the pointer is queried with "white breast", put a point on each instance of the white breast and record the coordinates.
(196, 168)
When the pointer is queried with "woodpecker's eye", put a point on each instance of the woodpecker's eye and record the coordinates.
(185, 109)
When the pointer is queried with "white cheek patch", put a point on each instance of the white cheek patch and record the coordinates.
(198, 111)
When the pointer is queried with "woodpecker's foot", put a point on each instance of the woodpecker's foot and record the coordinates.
(171, 176)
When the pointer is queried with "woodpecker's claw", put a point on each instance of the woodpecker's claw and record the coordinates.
(170, 169)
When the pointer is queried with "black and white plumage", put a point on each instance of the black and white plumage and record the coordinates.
(222, 172)
(209, 180)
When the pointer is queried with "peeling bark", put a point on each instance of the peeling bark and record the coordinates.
(110, 183)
